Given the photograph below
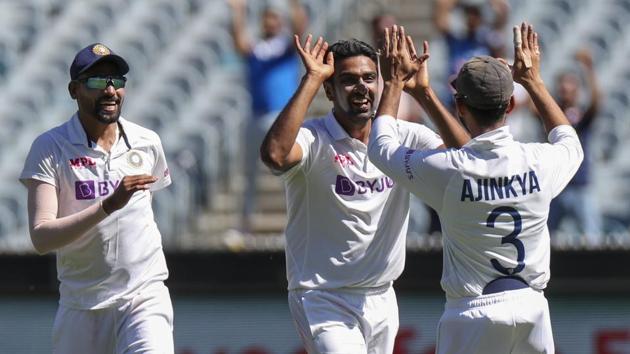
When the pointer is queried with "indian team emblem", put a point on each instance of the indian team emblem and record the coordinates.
(134, 159)
(100, 49)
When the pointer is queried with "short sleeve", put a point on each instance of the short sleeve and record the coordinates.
(418, 136)
(306, 138)
(40, 163)
(424, 173)
(160, 169)
(565, 147)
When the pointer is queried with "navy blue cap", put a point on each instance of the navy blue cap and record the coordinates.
(92, 54)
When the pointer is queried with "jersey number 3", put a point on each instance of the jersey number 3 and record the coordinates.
(510, 238)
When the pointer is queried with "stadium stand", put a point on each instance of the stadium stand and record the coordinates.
(187, 83)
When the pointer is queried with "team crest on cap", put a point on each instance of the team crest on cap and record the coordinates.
(134, 159)
(100, 49)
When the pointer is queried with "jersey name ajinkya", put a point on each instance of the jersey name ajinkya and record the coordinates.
(474, 190)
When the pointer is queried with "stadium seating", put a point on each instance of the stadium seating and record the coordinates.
(186, 82)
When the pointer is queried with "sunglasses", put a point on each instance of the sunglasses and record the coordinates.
(101, 83)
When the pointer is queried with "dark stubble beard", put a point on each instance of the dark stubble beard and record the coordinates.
(107, 119)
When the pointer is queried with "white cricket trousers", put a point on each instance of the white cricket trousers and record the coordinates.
(142, 325)
(509, 322)
(346, 321)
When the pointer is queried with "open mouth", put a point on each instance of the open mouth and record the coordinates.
(108, 107)
(361, 103)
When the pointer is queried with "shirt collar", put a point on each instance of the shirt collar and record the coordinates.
(334, 128)
(492, 139)
(78, 135)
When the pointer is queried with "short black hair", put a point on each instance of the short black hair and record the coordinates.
(351, 48)
(487, 117)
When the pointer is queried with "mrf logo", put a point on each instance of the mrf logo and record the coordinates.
(82, 162)
(345, 186)
(91, 189)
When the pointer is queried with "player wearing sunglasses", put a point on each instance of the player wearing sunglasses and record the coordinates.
(101, 82)
(90, 183)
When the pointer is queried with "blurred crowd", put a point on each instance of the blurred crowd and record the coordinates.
(229, 80)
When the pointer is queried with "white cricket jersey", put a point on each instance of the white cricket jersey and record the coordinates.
(492, 196)
(123, 253)
(347, 220)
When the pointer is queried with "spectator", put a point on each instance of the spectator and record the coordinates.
(478, 37)
(578, 201)
(273, 69)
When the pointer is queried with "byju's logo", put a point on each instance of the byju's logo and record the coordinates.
(91, 189)
(345, 186)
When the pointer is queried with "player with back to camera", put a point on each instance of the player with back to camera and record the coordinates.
(90, 182)
(347, 221)
(492, 196)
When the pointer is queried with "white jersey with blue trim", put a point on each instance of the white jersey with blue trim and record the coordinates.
(347, 221)
(123, 253)
(493, 199)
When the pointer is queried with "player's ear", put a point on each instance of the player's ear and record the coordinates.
(511, 105)
(460, 107)
(72, 89)
(329, 90)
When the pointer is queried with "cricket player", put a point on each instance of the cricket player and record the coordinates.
(89, 184)
(492, 196)
(347, 221)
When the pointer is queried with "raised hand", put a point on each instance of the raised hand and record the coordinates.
(420, 80)
(584, 57)
(397, 63)
(237, 5)
(526, 66)
(127, 187)
(315, 60)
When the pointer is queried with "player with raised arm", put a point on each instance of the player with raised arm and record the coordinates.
(90, 183)
(492, 196)
(347, 222)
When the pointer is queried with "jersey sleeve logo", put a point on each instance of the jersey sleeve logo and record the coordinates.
(408, 170)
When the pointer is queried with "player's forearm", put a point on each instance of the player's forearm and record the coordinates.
(452, 132)
(390, 98)
(281, 137)
(549, 111)
(383, 144)
(383, 140)
(50, 235)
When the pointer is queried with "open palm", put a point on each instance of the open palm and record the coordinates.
(315, 60)
(421, 79)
